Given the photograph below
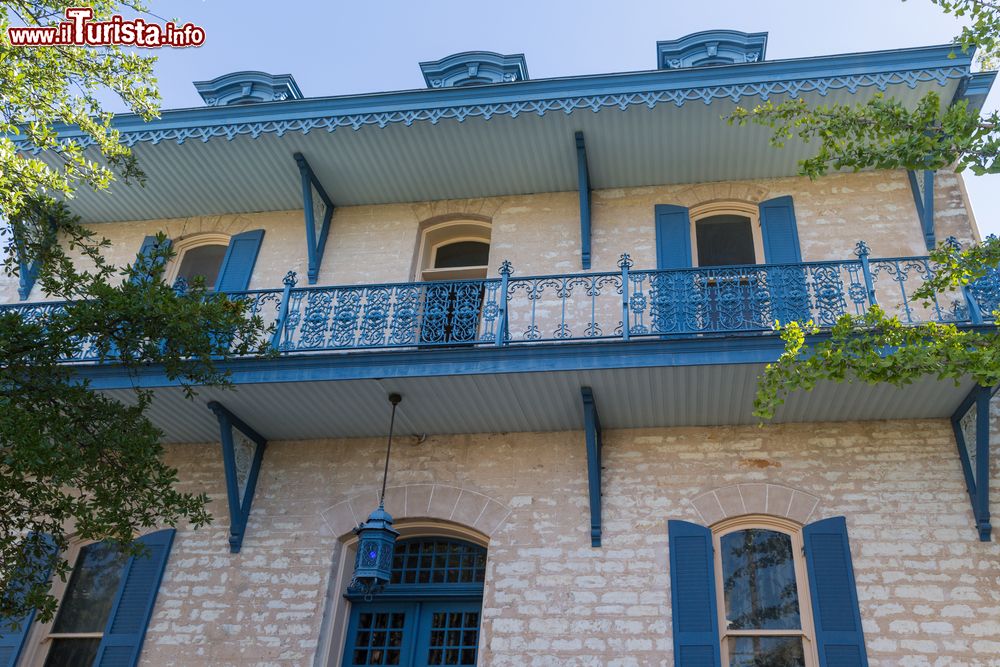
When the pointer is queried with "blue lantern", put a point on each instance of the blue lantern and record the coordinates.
(376, 536)
(376, 543)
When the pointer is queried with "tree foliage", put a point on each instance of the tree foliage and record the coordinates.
(76, 463)
(883, 133)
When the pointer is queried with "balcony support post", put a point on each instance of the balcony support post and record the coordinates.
(862, 251)
(315, 235)
(625, 263)
(592, 431)
(242, 453)
(923, 197)
(583, 184)
(279, 323)
(502, 323)
(972, 434)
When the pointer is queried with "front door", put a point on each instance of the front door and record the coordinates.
(413, 634)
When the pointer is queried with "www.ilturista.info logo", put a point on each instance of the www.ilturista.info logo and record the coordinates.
(80, 30)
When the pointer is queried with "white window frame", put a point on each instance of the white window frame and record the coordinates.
(794, 531)
(742, 209)
(182, 245)
(443, 234)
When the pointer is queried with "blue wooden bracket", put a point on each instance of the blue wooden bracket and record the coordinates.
(315, 236)
(972, 434)
(592, 428)
(242, 453)
(583, 182)
(923, 197)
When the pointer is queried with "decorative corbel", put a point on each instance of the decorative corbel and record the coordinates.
(315, 234)
(242, 453)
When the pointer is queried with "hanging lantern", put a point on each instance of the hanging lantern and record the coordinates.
(376, 536)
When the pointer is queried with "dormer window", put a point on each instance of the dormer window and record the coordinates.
(711, 47)
(238, 88)
(473, 68)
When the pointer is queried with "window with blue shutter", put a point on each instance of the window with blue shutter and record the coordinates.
(780, 233)
(839, 638)
(692, 594)
(14, 631)
(133, 606)
(146, 251)
(237, 265)
(673, 237)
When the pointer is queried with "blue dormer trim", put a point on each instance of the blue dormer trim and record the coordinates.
(242, 453)
(711, 47)
(474, 68)
(592, 432)
(583, 183)
(248, 87)
(975, 88)
(315, 236)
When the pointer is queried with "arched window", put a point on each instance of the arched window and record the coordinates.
(726, 234)
(454, 249)
(429, 613)
(198, 257)
(763, 594)
(457, 251)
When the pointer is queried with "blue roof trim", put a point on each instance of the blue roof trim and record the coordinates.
(909, 67)
(474, 68)
(975, 88)
(711, 47)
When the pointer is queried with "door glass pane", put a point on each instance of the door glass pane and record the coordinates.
(724, 240)
(766, 652)
(91, 591)
(72, 652)
(758, 579)
(454, 638)
(203, 261)
(379, 638)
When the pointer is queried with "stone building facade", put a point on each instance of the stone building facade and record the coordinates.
(573, 505)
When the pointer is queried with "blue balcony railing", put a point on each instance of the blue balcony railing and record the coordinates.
(625, 305)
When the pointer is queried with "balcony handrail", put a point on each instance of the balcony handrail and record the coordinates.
(629, 304)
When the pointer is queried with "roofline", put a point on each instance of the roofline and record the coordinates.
(650, 87)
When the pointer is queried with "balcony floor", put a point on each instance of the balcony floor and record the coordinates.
(706, 382)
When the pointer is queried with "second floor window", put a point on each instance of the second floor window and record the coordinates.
(202, 261)
(724, 240)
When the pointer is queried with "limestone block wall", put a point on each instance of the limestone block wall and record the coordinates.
(929, 591)
(540, 233)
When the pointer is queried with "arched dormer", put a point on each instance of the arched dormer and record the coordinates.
(711, 47)
(472, 68)
(248, 88)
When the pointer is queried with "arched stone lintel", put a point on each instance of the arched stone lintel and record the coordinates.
(231, 224)
(754, 498)
(439, 502)
(704, 193)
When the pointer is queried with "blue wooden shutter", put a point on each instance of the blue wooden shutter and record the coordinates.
(673, 237)
(234, 276)
(781, 235)
(133, 606)
(146, 249)
(692, 594)
(839, 638)
(12, 641)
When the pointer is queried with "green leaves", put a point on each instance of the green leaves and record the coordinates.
(74, 462)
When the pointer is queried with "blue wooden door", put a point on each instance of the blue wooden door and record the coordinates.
(413, 634)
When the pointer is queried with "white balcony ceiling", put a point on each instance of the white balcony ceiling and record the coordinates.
(628, 143)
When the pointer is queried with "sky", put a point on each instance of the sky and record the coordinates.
(339, 48)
